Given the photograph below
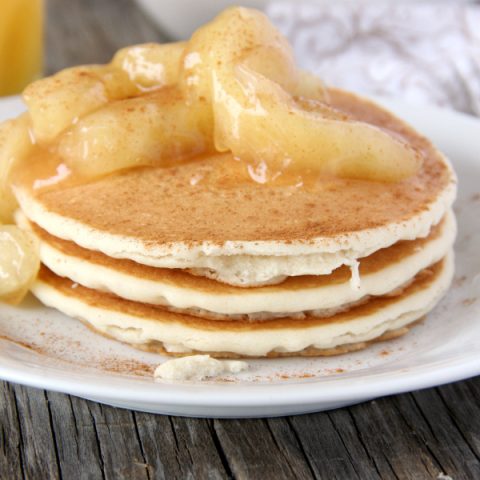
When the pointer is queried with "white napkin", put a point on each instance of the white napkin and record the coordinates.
(426, 52)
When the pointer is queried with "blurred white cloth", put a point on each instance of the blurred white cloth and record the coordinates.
(419, 52)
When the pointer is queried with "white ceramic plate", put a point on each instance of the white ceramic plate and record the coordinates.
(42, 348)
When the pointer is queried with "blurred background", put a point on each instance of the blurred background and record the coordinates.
(418, 51)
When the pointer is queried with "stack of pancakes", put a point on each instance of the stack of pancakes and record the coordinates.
(184, 259)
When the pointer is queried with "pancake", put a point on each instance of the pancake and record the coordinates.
(380, 273)
(202, 216)
(234, 206)
(153, 327)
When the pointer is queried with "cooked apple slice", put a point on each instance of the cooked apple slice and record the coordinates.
(151, 65)
(274, 129)
(309, 87)
(117, 83)
(15, 144)
(19, 263)
(56, 102)
(153, 129)
(237, 34)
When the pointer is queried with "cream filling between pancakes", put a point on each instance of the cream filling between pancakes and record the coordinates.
(324, 300)
(181, 336)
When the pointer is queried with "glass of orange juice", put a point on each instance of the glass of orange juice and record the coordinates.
(21, 44)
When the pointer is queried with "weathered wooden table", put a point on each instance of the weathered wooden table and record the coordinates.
(50, 435)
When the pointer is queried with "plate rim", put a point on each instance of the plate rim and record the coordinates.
(251, 394)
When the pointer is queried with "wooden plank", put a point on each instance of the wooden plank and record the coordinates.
(391, 443)
(38, 445)
(178, 447)
(347, 431)
(120, 450)
(325, 449)
(462, 400)
(404, 445)
(253, 452)
(291, 448)
(75, 437)
(444, 436)
(11, 442)
(89, 31)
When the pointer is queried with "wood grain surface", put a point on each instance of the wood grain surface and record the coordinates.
(45, 435)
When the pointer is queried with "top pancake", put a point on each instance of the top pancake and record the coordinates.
(198, 208)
